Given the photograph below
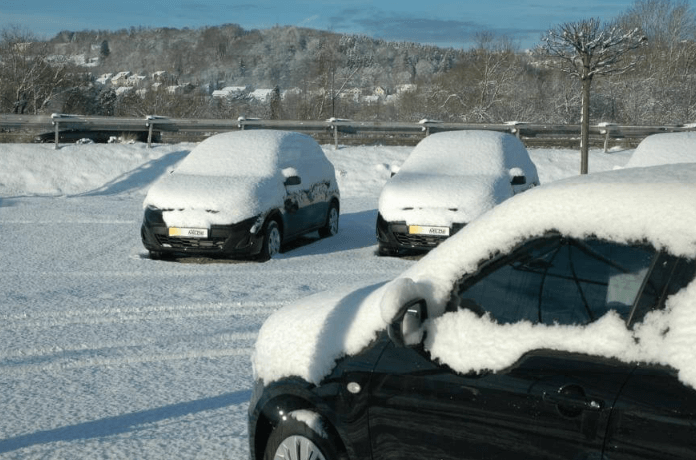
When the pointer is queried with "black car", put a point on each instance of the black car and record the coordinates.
(449, 179)
(560, 325)
(100, 136)
(242, 194)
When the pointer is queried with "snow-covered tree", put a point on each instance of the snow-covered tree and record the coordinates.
(587, 49)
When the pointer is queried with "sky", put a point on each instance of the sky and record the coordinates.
(446, 23)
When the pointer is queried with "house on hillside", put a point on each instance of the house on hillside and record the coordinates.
(135, 80)
(104, 78)
(406, 88)
(261, 95)
(121, 78)
(122, 90)
(164, 77)
(230, 91)
(351, 94)
(379, 92)
(290, 92)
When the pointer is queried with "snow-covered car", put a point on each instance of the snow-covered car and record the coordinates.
(449, 179)
(664, 148)
(560, 324)
(242, 193)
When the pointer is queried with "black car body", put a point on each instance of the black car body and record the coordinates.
(242, 194)
(553, 327)
(100, 136)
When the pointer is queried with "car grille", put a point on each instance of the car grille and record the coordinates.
(418, 240)
(184, 243)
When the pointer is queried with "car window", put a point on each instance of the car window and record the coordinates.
(559, 281)
(669, 275)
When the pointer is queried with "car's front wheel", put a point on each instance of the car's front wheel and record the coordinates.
(271, 240)
(331, 226)
(294, 440)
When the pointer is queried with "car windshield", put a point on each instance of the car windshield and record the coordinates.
(559, 281)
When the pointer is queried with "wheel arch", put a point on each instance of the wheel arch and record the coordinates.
(278, 217)
(283, 405)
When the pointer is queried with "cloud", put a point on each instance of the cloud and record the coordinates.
(403, 27)
(412, 27)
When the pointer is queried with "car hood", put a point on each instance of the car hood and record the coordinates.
(333, 322)
(200, 201)
(421, 199)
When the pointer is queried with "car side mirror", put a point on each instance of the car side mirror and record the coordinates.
(406, 329)
(518, 180)
(293, 180)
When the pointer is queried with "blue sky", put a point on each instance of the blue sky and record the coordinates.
(442, 23)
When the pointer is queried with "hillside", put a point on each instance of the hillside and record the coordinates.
(230, 55)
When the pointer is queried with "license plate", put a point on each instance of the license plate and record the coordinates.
(434, 231)
(188, 232)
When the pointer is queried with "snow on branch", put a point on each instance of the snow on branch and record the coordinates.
(588, 48)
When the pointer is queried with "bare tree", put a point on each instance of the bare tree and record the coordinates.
(29, 80)
(587, 49)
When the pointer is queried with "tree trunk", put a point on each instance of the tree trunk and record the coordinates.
(585, 125)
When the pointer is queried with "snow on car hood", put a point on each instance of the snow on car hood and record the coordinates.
(201, 201)
(428, 199)
(656, 205)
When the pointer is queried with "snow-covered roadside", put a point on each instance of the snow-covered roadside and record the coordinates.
(108, 354)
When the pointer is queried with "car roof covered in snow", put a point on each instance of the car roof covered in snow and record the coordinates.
(664, 148)
(247, 153)
(468, 152)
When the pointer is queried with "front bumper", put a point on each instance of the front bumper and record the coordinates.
(394, 237)
(234, 240)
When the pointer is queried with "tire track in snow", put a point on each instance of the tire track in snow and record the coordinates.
(134, 314)
(139, 350)
(68, 364)
(104, 345)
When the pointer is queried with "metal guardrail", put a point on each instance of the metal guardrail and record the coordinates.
(333, 127)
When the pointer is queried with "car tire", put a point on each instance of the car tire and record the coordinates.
(385, 251)
(331, 226)
(272, 239)
(294, 440)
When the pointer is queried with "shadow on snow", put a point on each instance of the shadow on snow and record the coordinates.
(122, 423)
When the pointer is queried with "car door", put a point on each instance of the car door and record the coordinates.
(306, 202)
(655, 414)
(549, 404)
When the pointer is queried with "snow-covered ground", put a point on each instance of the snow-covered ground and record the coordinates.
(108, 354)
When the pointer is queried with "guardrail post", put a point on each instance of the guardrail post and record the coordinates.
(605, 128)
(149, 134)
(57, 135)
(335, 135)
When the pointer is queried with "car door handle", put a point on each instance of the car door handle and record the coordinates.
(572, 399)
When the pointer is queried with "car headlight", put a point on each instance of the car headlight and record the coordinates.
(153, 215)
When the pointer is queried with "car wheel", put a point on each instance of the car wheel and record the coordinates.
(271, 240)
(294, 440)
(385, 251)
(331, 227)
(159, 255)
